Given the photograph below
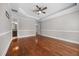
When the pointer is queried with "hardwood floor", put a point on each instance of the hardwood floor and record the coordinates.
(45, 46)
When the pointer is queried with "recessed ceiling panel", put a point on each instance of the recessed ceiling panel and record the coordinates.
(51, 8)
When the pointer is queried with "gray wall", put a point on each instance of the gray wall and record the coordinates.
(65, 27)
(5, 29)
(26, 27)
(38, 27)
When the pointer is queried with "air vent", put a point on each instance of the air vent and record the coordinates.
(14, 10)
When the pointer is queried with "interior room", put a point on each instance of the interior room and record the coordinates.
(39, 29)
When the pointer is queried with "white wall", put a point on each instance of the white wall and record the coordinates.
(65, 27)
(5, 29)
(26, 27)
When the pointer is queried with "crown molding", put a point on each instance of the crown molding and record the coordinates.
(24, 13)
(63, 12)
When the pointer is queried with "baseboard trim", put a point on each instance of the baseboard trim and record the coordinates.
(62, 31)
(4, 54)
(58, 38)
(6, 49)
(23, 36)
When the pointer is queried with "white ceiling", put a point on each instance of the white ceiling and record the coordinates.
(27, 8)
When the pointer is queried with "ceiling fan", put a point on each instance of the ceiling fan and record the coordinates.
(40, 10)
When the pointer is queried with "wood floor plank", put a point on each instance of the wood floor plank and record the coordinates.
(45, 47)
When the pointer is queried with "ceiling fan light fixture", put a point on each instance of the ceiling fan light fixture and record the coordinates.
(40, 10)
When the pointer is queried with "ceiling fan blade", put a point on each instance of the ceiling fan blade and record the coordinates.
(44, 12)
(44, 8)
(35, 10)
(38, 7)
